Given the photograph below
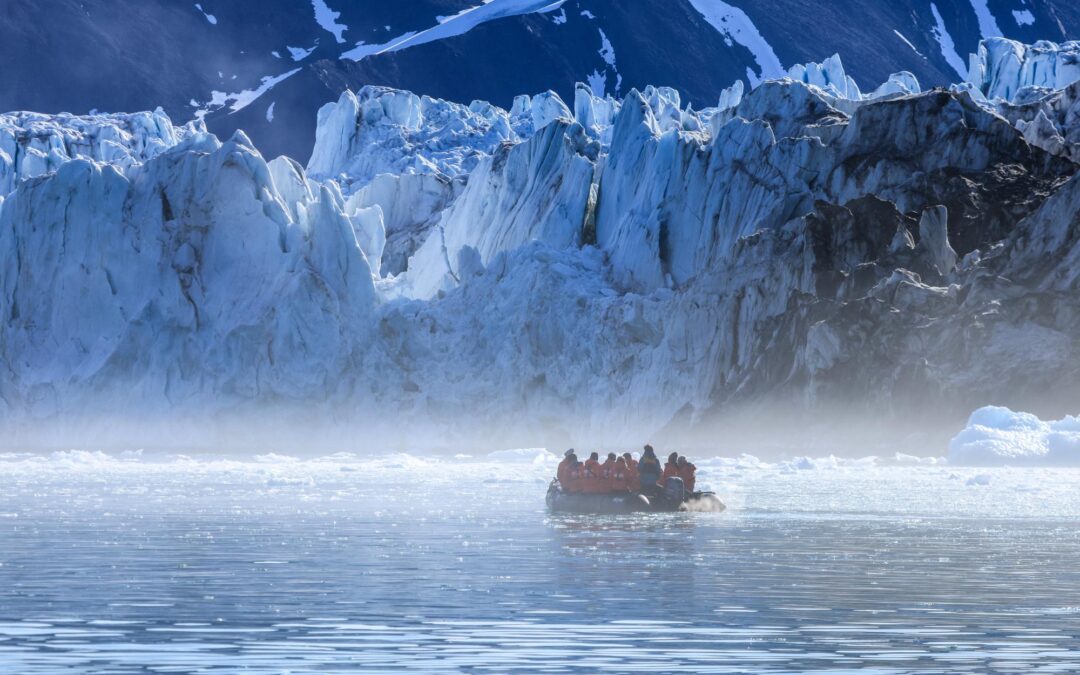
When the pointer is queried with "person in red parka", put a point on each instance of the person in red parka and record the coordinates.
(575, 477)
(620, 477)
(671, 469)
(607, 470)
(688, 473)
(592, 483)
(569, 459)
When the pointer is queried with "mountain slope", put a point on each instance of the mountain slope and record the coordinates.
(266, 66)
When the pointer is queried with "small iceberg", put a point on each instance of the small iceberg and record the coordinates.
(997, 436)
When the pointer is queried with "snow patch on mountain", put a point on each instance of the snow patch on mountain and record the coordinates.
(948, 46)
(607, 53)
(988, 26)
(327, 19)
(1023, 17)
(458, 24)
(242, 99)
(908, 42)
(734, 24)
(209, 17)
(299, 53)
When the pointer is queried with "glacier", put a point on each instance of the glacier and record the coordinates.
(782, 265)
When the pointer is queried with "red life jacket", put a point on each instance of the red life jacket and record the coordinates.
(562, 474)
(607, 471)
(689, 476)
(575, 476)
(670, 471)
(592, 482)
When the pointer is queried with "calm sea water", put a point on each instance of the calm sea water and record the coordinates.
(275, 565)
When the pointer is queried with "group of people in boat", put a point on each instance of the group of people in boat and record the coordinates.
(623, 473)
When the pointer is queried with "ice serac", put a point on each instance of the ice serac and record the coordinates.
(595, 114)
(33, 144)
(411, 205)
(381, 130)
(186, 278)
(539, 190)
(1005, 69)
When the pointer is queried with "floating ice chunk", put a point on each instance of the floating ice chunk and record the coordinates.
(522, 455)
(998, 436)
(903, 458)
(978, 479)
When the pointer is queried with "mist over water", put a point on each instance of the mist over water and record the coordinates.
(126, 563)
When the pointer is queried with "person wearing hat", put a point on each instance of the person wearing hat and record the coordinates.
(688, 473)
(563, 472)
(607, 471)
(633, 480)
(593, 484)
(649, 470)
(671, 469)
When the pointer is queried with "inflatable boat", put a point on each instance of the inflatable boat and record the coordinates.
(559, 501)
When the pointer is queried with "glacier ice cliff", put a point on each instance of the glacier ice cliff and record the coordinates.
(786, 264)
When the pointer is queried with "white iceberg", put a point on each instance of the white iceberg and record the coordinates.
(997, 436)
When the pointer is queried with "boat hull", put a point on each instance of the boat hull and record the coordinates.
(566, 502)
(620, 503)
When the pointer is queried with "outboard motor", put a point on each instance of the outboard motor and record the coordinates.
(674, 491)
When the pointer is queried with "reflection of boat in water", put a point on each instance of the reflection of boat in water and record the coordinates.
(559, 501)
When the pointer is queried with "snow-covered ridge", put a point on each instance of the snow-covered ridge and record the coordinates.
(586, 272)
